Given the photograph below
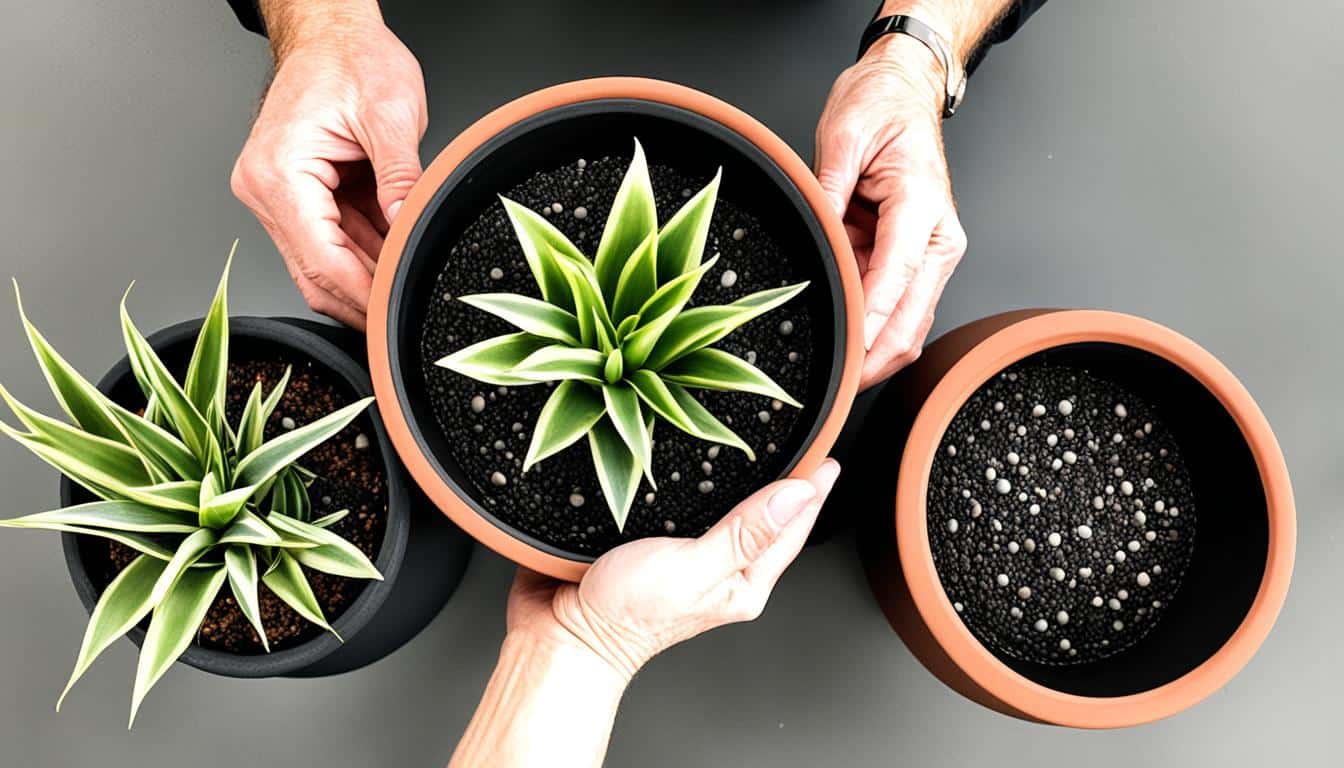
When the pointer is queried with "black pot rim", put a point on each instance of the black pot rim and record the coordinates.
(730, 138)
(390, 554)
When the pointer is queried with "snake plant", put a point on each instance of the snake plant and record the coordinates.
(201, 501)
(616, 334)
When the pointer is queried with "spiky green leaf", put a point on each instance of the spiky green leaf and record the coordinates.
(558, 363)
(176, 619)
(632, 219)
(493, 360)
(191, 549)
(113, 515)
(618, 470)
(124, 603)
(251, 426)
(571, 410)
(156, 446)
(716, 369)
(638, 280)
(274, 455)
(544, 247)
(285, 578)
(248, 528)
(102, 456)
(595, 326)
(681, 242)
(628, 418)
(241, 564)
(659, 312)
(332, 554)
(699, 327)
(217, 507)
(208, 371)
(529, 315)
(326, 521)
(680, 409)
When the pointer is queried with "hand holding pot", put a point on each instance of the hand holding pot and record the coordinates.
(335, 148)
(572, 648)
(880, 160)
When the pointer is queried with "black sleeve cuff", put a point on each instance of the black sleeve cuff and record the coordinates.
(1001, 31)
(249, 15)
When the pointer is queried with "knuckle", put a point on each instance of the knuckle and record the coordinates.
(400, 172)
(749, 540)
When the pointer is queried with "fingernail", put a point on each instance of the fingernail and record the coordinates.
(873, 323)
(788, 501)
(826, 475)
(392, 211)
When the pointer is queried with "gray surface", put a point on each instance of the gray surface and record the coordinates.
(1158, 158)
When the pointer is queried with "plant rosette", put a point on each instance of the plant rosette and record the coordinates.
(199, 503)
(575, 345)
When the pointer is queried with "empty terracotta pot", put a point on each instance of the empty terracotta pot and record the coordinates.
(1242, 561)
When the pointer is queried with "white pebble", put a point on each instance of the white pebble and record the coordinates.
(951, 450)
(1133, 546)
(739, 233)
(1057, 464)
(1126, 487)
(1013, 458)
(361, 441)
(1119, 556)
(1041, 625)
(287, 423)
(580, 212)
(1120, 410)
(1038, 410)
(706, 486)
(1063, 618)
(576, 500)
(1159, 505)
(1054, 539)
(1085, 572)
(1057, 573)
(1084, 532)
(478, 404)
(1069, 457)
(498, 478)
(1024, 592)
(1052, 440)
(1001, 579)
(764, 416)
(496, 273)
(1003, 486)
(1097, 601)
(1064, 644)
(1015, 612)
(1013, 547)
(952, 525)
(1118, 625)
(785, 327)
(1098, 502)
(1114, 604)
(728, 279)
(990, 474)
(985, 424)
(1065, 407)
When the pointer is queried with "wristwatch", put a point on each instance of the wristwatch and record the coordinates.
(909, 25)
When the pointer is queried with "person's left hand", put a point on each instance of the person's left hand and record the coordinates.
(880, 161)
(648, 595)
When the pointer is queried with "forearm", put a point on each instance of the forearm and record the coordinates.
(549, 702)
(294, 22)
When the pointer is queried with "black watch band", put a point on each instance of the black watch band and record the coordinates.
(909, 25)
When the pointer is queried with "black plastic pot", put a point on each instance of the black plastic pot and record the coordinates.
(422, 556)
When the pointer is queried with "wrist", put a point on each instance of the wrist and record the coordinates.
(916, 66)
(317, 24)
(554, 650)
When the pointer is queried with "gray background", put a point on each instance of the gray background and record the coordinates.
(1168, 159)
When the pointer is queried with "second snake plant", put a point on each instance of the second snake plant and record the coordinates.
(616, 333)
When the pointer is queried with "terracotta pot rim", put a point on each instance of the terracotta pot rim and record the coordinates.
(424, 469)
(1034, 332)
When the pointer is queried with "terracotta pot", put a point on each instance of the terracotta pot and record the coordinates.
(1242, 562)
(537, 132)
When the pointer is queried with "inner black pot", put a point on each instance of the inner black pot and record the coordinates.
(692, 147)
(420, 572)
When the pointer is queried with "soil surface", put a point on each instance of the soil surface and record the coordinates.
(559, 501)
(349, 477)
(1060, 515)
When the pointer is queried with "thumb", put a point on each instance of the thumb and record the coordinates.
(739, 539)
(394, 153)
(838, 168)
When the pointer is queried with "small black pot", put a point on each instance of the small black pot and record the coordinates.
(422, 556)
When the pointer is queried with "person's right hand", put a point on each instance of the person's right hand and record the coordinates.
(333, 152)
(648, 595)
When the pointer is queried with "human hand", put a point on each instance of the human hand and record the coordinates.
(880, 160)
(334, 151)
(648, 595)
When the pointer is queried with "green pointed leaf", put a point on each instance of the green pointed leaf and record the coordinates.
(627, 325)
(122, 605)
(571, 410)
(188, 422)
(332, 554)
(638, 280)
(716, 369)
(494, 360)
(178, 494)
(633, 218)
(676, 406)
(543, 247)
(272, 400)
(285, 578)
(241, 565)
(627, 417)
(114, 515)
(538, 318)
(157, 446)
(248, 528)
(659, 312)
(98, 464)
(145, 544)
(176, 619)
(251, 426)
(301, 507)
(699, 327)
(595, 326)
(192, 548)
(80, 400)
(326, 521)
(208, 371)
(217, 510)
(557, 363)
(681, 243)
(614, 368)
(617, 470)
(278, 453)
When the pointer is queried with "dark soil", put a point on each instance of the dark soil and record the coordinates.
(1078, 555)
(559, 501)
(348, 478)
